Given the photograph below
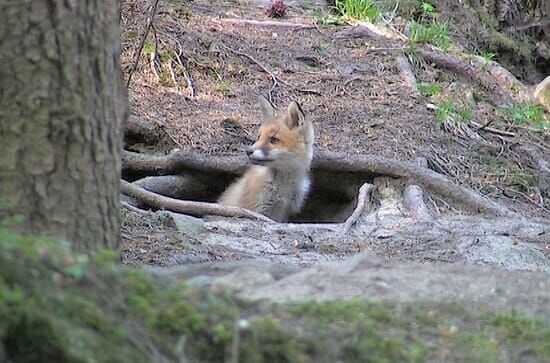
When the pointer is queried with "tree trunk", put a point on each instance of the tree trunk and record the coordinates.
(62, 105)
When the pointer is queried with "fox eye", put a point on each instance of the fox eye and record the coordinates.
(274, 140)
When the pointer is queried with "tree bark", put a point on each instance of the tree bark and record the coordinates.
(62, 106)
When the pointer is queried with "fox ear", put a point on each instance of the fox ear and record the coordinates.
(268, 111)
(295, 115)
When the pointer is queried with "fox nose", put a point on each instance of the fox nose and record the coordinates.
(249, 151)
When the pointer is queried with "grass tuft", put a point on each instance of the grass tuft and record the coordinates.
(526, 113)
(358, 9)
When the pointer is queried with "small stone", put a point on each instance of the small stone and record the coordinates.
(185, 224)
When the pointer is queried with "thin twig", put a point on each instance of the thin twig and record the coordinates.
(364, 192)
(189, 81)
(142, 44)
(528, 199)
(186, 73)
(492, 129)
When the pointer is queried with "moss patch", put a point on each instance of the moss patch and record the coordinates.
(60, 307)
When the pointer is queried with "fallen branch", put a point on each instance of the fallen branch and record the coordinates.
(267, 23)
(188, 207)
(133, 209)
(181, 161)
(471, 70)
(492, 130)
(362, 205)
(141, 130)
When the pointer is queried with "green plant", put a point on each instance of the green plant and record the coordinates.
(148, 47)
(327, 19)
(428, 88)
(488, 56)
(223, 86)
(358, 9)
(464, 114)
(428, 8)
(320, 48)
(525, 113)
(445, 110)
(434, 33)
(427, 29)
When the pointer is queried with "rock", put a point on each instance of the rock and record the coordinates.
(185, 224)
(507, 252)
(364, 276)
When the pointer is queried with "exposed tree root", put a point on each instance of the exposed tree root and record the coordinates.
(363, 205)
(181, 162)
(413, 202)
(188, 207)
(140, 130)
(407, 74)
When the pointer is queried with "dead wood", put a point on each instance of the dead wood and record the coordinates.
(492, 130)
(187, 207)
(181, 161)
(267, 23)
(407, 74)
(137, 56)
(363, 204)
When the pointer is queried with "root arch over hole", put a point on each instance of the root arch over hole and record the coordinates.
(336, 180)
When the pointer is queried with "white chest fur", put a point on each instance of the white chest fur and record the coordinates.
(284, 194)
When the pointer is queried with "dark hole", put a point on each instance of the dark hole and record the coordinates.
(332, 198)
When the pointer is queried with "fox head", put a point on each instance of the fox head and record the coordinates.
(285, 138)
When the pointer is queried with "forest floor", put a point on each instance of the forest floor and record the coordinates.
(199, 76)
(202, 69)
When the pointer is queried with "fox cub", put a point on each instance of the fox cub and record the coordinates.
(277, 182)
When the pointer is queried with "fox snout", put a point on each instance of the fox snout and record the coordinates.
(258, 155)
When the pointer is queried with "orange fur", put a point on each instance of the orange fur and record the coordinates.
(278, 182)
